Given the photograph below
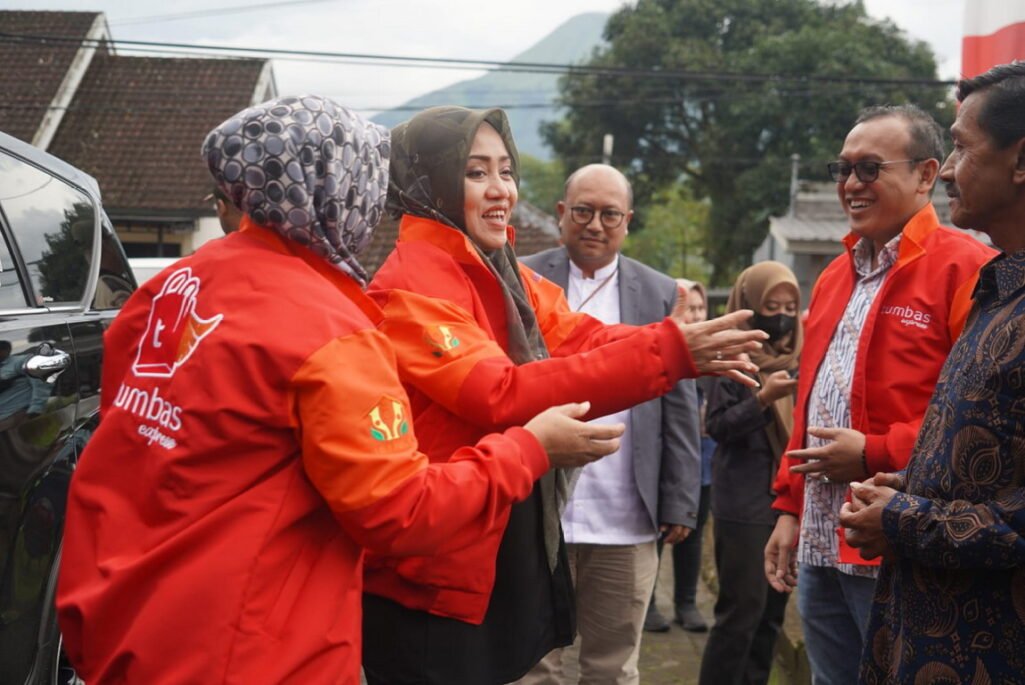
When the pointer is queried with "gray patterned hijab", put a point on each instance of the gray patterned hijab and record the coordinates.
(309, 169)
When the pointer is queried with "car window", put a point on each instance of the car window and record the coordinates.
(53, 224)
(116, 282)
(12, 293)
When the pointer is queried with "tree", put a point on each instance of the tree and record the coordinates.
(64, 263)
(541, 183)
(764, 79)
(674, 239)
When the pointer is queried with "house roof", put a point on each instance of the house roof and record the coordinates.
(137, 123)
(535, 231)
(33, 70)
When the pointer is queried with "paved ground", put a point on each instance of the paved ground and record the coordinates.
(673, 658)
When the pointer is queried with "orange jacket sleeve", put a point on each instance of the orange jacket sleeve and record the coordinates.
(445, 353)
(359, 451)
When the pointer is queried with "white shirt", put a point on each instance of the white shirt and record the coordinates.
(605, 507)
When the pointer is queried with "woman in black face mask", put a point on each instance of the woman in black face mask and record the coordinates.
(752, 428)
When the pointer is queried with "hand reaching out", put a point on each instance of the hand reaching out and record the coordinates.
(719, 346)
(570, 442)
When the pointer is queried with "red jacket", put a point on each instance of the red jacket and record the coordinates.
(914, 320)
(255, 437)
(445, 316)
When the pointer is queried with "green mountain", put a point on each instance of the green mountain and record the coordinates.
(570, 43)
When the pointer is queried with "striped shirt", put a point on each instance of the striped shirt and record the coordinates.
(829, 406)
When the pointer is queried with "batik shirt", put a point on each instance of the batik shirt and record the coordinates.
(829, 406)
(950, 607)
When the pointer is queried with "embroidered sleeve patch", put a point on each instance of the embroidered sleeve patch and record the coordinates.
(388, 420)
(440, 339)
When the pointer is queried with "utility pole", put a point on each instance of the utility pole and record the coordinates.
(795, 165)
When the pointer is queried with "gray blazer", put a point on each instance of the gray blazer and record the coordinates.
(665, 433)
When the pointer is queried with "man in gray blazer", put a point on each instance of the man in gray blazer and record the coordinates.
(620, 505)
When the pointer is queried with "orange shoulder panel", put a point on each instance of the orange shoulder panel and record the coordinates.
(355, 425)
(437, 343)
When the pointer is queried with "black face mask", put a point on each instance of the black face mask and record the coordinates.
(777, 325)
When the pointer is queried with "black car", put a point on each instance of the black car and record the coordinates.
(63, 277)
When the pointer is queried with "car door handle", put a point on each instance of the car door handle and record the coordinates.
(47, 366)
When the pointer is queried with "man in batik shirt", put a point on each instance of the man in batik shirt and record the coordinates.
(950, 601)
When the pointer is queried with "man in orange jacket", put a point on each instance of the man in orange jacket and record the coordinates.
(892, 305)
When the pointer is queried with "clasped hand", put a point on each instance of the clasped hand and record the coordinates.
(862, 517)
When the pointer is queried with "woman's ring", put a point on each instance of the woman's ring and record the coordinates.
(825, 479)
(718, 355)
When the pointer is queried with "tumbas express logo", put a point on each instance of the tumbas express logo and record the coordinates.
(388, 420)
(174, 330)
(909, 316)
(173, 333)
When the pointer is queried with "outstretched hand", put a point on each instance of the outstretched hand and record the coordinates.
(570, 442)
(719, 346)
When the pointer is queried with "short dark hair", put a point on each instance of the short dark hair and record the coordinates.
(926, 134)
(1003, 112)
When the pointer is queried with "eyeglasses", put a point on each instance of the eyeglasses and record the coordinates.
(610, 218)
(866, 171)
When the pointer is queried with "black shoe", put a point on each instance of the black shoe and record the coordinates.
(689, 618)
(654, 621)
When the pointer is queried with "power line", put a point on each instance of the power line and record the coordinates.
(478, 64)
(212, 12)
(555, 104)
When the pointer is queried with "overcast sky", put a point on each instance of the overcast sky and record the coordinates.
(451, 28)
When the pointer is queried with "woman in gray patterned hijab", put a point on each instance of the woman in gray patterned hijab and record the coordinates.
(288, 164)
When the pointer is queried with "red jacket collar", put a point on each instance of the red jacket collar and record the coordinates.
(914, 233)
(344, 282)
(452, 241)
